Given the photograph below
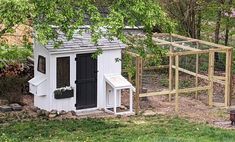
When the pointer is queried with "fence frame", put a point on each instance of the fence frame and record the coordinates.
(174, 65)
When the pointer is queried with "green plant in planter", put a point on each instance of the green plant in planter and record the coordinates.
(64, 92)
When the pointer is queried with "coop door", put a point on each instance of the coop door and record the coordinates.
(86, 81)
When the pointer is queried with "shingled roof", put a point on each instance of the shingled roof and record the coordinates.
(84, 42)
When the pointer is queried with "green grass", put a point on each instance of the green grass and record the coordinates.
(135, 129)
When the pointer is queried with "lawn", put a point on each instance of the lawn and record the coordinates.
(134, 129)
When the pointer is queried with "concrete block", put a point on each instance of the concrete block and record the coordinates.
(5, 108)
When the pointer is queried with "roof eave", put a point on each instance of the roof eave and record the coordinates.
(81, 50)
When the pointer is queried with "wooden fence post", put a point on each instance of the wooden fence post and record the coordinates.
(177, 83)
(228, 78)
(210, 76)
(196, 79)
(138, 82)
(170, 75)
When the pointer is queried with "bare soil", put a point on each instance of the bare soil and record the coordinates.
(189, 107)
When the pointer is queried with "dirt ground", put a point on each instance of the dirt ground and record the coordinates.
(189, 107)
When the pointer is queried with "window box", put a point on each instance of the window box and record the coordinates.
(65, 92)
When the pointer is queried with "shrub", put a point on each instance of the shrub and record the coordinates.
(13, 54)
(14, 74)
(12, 88)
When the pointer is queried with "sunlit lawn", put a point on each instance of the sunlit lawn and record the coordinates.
(141, 129)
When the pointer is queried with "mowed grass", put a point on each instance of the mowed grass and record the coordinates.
(134, 129)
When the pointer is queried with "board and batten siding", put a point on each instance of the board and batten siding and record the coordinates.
(106, 65)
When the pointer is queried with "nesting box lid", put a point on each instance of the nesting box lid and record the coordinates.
(36, 81)
(117, 81)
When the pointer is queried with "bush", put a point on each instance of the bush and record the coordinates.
(12, 88)
(14, 73)
(13, 54)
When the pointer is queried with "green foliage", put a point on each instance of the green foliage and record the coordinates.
(134, 129)
(12, 13)
(50, 17)
(97, 53)
(13, 54)
(129, 65)
(185, 83)
(164, 82)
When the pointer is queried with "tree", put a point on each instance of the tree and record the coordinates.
(188, 15)
(228, 21)
(68, 15)
(218, 20)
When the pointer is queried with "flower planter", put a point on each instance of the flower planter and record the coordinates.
(62, 94)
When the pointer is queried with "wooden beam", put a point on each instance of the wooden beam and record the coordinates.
(177, 83)
(202, 42)
(185, 53)
(197, 52)
(210, 76)
(176, 45)
(141, 73)
(170, 73)
(167, 92)
(231, 77)
(228, 78)
(137, 84)
(200, 75)
(177, 42)
(196, 77)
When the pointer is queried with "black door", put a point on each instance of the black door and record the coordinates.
(86, 81)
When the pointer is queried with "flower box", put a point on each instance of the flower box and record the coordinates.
(62, 93)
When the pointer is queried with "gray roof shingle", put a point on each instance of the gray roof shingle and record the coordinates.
(84, 42)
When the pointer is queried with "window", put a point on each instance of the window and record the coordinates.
(63, 72)
(42, 64)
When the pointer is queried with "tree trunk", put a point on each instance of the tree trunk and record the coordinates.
(226, 33)
(199, 22)
(227, 28)
(217, 27)
(193, 18)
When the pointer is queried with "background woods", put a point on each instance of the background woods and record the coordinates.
(211, 20)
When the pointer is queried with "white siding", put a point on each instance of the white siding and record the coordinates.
(42, 102)
(106, 65)
(68, 103)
